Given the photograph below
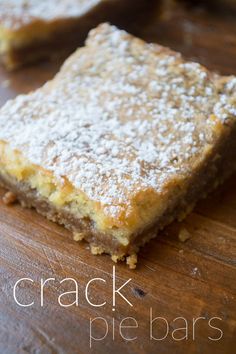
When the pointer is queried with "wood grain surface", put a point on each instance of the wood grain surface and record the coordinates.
(195, 280)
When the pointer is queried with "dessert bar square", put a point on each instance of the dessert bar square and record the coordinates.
(125, 139)
(32, 29)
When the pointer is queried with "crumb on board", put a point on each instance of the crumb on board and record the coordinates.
(9, 198)
(115, 258)
(131, 261)
(96, 250)
(184, 235)
(78, 236)
(195, 272)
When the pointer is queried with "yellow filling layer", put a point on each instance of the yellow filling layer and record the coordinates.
(37, 30)
(23, 37)
(132, 217)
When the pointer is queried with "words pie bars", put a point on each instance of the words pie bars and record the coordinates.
(125, 139)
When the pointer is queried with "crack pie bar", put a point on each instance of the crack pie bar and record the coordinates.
(125, 139)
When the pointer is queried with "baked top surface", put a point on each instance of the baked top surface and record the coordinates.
(17, 13)
(121, 118)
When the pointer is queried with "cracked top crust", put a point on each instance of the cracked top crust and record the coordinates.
(121, 118)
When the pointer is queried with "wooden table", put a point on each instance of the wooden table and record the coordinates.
(195, 280)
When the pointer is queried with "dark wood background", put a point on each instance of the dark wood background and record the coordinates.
(192, 279)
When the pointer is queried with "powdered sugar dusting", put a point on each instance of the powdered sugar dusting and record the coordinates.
(120, 117)
(17, 13)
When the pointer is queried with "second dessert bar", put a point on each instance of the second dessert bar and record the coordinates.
(32, 30)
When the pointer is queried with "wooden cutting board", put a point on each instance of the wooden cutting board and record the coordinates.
(190, 285)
